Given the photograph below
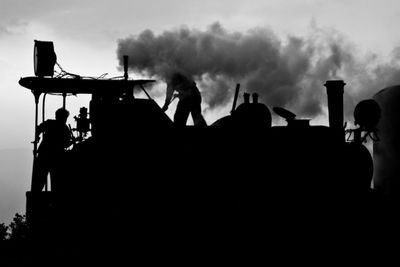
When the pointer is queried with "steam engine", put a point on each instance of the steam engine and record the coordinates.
(167, 186)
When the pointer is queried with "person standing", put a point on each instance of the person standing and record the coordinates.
(50, 156)
(189, 100)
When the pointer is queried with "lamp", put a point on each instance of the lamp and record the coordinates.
(44, 58)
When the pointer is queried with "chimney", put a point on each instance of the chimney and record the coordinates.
(335, 90)
(255, 98)
(126, 58)
(246, 97)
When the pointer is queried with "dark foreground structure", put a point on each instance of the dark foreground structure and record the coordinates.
(141, 189)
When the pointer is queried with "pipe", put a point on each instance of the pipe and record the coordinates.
(235, 97)
(126, 67)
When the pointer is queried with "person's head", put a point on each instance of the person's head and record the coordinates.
(62, 115)
(178, 78)
(83, 112)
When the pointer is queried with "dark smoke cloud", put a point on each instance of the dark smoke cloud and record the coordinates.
(288, 73)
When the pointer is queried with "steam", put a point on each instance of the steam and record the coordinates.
(284, 72)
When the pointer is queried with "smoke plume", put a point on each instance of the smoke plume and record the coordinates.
(286, 72)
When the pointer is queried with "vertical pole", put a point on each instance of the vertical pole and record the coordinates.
(43, 119)
(43, 107)
(127, 92)
(64, 100)
(35, 142)
(37, 96)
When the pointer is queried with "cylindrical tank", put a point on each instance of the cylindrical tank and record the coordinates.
(386, 151)
(248, 115)
(253, 115)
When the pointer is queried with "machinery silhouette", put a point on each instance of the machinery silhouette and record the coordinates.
(188, 190)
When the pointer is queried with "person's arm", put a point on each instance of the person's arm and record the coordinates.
(168, 97)
(40, 129)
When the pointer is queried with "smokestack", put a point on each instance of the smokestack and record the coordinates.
(335, 90)
(126, 62)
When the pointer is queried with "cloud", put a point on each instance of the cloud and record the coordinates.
(285, 72)
(13, 28)
(3, 30)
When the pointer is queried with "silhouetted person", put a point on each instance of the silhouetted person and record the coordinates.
(82, 123)
(50, 158)
(189, 100)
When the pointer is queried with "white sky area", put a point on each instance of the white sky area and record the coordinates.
(85, 35)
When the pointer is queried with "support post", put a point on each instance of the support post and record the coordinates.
(36, 94)
(64, 100)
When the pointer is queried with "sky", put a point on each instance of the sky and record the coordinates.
(284, 50)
